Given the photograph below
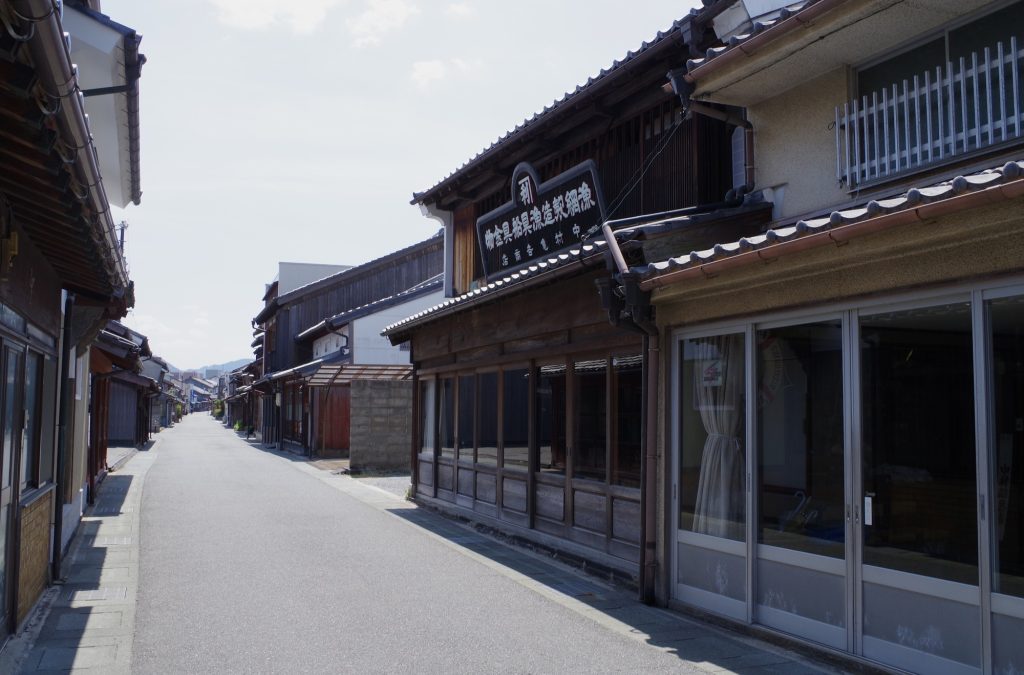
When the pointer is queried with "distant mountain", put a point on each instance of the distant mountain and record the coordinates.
(222, 367)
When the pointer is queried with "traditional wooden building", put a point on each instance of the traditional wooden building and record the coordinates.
(62, 274)
(530, 402)
(305, 328)
(842, 394)
(120, 397)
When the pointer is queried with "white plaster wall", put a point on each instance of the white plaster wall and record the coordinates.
(330, 343)
(370, 347)
(794, 146)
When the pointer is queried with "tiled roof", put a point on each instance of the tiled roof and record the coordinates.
(757, 28)
(910, 199)
(556, 105)
(509, 283)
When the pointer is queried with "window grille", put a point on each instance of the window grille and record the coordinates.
(969, 105)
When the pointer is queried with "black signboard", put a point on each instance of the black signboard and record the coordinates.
(542, 219)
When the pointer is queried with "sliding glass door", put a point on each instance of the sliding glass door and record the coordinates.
(800, 568)
(920, 588)
(1005, 335)
(857, 479)
(711, 432)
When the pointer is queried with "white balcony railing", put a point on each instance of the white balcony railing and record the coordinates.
(968, 106)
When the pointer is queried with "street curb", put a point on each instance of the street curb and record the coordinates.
(121, 462)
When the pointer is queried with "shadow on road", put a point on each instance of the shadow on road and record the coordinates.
(714, 647)
(616, 605)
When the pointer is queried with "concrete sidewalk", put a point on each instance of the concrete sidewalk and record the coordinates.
(88, 623)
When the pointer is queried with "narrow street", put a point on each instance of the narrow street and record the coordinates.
(256, 561)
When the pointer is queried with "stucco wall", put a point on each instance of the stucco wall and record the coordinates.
(369, 347)
(381, 424)
(794, 145)
(972, 244)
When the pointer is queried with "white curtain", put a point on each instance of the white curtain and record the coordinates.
(719, 385)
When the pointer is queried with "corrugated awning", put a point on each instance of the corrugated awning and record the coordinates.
(337, 373)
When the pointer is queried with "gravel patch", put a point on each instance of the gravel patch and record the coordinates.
(397, 485)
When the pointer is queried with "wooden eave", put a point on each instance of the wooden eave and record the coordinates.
(36, 183)
(629, 91)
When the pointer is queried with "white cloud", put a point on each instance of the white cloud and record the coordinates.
(302, 16)
(379, 18)
(468, 67)
(461, 10)
(425, 73)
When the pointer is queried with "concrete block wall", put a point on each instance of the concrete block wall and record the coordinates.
(35, 553)
(381, 424)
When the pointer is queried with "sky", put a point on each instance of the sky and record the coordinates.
(298, 130)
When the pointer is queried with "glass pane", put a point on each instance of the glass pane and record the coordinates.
(428, 418)
(591, 419)
(713, 460)
(446, 418)
(487, 424)
(516, 417)
(49, 395)
(1007, 322)
(9, 422)
(467, 399)
(33, 407)
(627, 379)
(917, 399)
(902, 67)
(551, 418)
(800, 438)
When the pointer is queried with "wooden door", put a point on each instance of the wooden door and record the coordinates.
(335, 419)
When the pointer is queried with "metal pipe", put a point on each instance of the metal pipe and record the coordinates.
(649, 470)
(639, 318)
(667, 215)
(67, 352)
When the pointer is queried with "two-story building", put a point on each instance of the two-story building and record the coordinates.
(66, 154)
(315, 339)
(842, 394)
(530, 403)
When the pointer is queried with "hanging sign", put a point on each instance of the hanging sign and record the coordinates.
(542, 219)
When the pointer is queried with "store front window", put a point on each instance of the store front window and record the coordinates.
(515, 415)
(1007, 460)
(800, 438)
(917, 400)
(487, 422)
(628, 394)
(446, 418)
(591, 421)
(467, 403)
(551, 418)
(713, 405)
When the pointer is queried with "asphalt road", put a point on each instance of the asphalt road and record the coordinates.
(251, 563)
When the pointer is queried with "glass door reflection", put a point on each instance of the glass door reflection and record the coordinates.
(800, 567)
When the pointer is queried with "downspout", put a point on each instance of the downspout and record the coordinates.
(62, 438)
(637, 308)
(684, 88)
